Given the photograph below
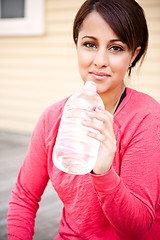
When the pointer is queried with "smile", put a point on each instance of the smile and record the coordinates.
(99, 75)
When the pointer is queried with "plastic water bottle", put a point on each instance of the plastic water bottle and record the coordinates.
(75, 152)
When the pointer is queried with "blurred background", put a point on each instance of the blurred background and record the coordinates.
(38, 67)
(39, 70)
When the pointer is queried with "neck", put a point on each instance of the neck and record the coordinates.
(112, 98)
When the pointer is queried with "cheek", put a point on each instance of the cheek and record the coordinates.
(119, 64)
(84, 59)
(82, 64)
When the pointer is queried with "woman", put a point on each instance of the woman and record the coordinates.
(120, 198)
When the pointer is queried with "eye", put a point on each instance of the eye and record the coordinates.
(116, 48)
(89, 45)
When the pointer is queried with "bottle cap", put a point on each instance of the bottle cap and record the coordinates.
(89, 85)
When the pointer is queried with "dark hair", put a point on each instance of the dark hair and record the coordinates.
(125, 17)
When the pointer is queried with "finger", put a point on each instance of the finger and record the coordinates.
(106, 140)
(103, 125)
(94, 124)
(100, 121)
(101, 115)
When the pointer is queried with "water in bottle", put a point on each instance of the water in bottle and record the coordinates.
(75, 152)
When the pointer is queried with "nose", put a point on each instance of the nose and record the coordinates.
(101, 58)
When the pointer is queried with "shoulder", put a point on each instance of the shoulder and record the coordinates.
(144, 106)
(138, 104)
(49, 120)
(54, 111)
(142, 101)
(138, 110)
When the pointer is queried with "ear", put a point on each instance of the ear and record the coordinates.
(136, 52)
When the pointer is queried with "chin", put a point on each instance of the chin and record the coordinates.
(102, 89)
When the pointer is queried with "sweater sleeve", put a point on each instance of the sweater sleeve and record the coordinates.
(129, 201)
(31, 182)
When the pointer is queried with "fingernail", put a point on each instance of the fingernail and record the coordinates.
(89, 109)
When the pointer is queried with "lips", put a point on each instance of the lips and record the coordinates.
(99, 75)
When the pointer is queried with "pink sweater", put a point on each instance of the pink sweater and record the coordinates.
(122, 204)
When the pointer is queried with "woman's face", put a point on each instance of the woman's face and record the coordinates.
(102, 56)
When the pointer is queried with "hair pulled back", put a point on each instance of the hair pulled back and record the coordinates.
(125, 17)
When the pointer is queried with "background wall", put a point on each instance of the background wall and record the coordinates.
(147, 79)
(38, 71)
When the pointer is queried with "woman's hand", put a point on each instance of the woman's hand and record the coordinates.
(105, 135)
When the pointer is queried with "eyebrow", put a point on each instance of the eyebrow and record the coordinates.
(89, 37)
(113, 40)
(116, 40)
